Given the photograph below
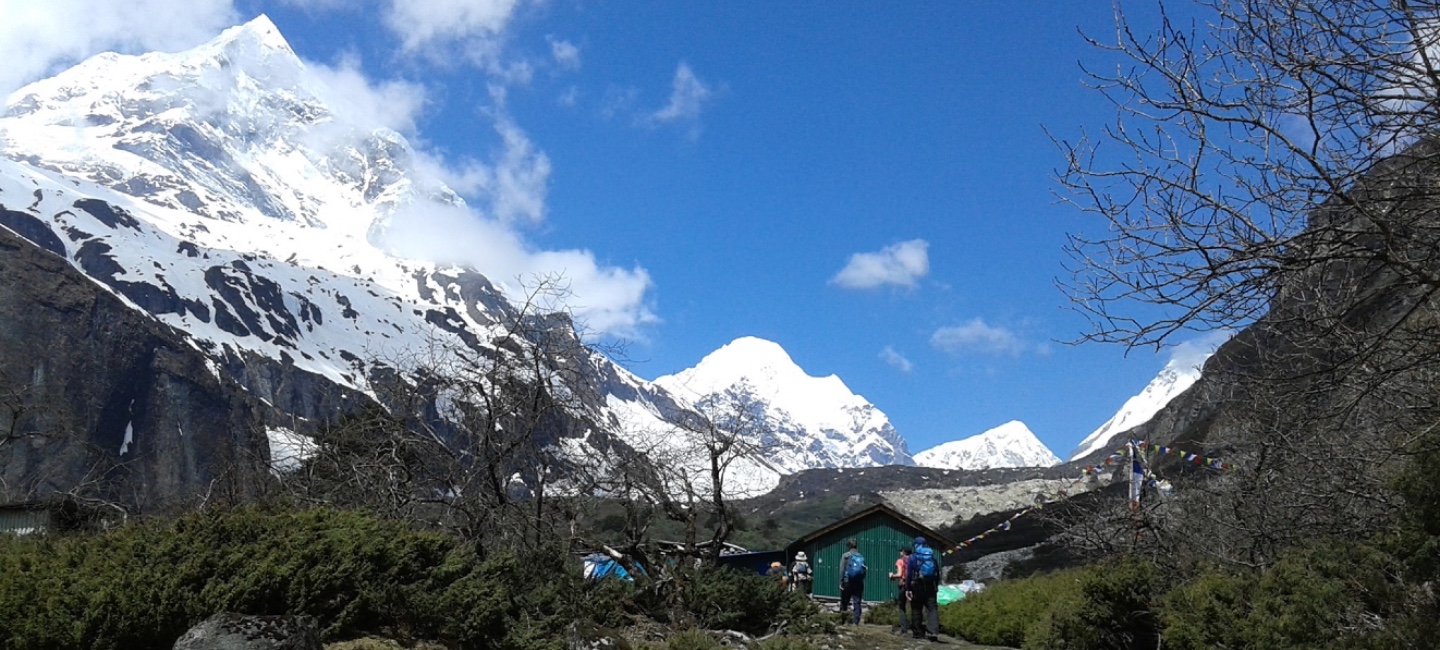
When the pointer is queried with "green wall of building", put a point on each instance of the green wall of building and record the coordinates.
(879, 538)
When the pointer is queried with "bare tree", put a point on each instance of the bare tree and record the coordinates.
(467, 437)
(1274, 165)
(1256, 143)
(691, 471)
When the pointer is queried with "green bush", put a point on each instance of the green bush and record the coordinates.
(692, 640)
(143, 586)
(887, 613)
(1208, 612)
(1109, 608)
(1001, 614)
(1330, 594)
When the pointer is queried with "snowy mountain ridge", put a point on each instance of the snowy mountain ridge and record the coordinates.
(217, 191)
(1177, 376)
(1009, 445)
(810, 421)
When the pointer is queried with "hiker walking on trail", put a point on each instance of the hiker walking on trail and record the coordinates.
(852, 579)
(776, 571)
(800, 574)
(898, 577)
(922, 585)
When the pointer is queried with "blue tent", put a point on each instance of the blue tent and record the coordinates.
(599, 566)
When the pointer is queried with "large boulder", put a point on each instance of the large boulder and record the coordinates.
(239, 632)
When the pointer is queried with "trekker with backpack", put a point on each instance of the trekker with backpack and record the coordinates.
(800, 574)
(852, 579)
(901, 601)
(922, 585)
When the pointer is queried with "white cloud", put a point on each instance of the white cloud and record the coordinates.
(604, 299)
(1193, 353)
(900, 264)
(976, 336)
(475, 27)
(356, 99)
(896, 360)
(687, 97)
(503, 193)
(519, 179)
(37, 38)
(565, 53)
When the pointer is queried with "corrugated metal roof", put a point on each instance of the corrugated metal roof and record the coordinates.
(24, 521)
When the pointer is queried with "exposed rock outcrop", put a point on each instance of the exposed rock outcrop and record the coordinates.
(100, 399)
(238, 632)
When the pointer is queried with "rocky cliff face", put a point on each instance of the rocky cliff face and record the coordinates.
(102, 400)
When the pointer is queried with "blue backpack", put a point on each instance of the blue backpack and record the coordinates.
(855, 567)
(925, 562)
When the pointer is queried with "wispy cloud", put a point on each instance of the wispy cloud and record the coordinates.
(505, 193)
(508, 191)
(569, 98)
(896, 360)
(356, 99)
(899, 264)
(618, 101)
(1193, 353)
(979, 337)
(475, 26)
(688, 96)
(565, 54)
(38, 38)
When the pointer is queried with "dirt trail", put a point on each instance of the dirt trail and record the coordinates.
(882, 637)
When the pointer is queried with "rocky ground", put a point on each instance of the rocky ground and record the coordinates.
(947, 506)
(849, 637)
(882, 637)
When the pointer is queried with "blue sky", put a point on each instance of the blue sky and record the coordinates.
(867, 184)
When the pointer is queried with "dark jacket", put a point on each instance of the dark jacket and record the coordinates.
(913, 578)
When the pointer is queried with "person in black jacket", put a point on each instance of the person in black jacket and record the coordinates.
(852, 587)
(923, 589)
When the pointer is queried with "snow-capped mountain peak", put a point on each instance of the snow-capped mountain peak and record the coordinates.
(1009, 445)
(227, 192)
(1177, 376)
(810, 421)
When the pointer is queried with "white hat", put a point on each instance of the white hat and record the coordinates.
(800, 555)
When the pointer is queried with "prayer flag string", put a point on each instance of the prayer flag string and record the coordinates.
(1116, 457)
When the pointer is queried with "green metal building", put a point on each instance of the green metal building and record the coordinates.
(880, 532)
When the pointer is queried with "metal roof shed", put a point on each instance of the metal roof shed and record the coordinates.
(880, 532)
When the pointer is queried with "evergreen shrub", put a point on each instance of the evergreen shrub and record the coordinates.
(144, 585)
(692, 640)
(1001, 613)
(887, 613)
(1108, 607)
